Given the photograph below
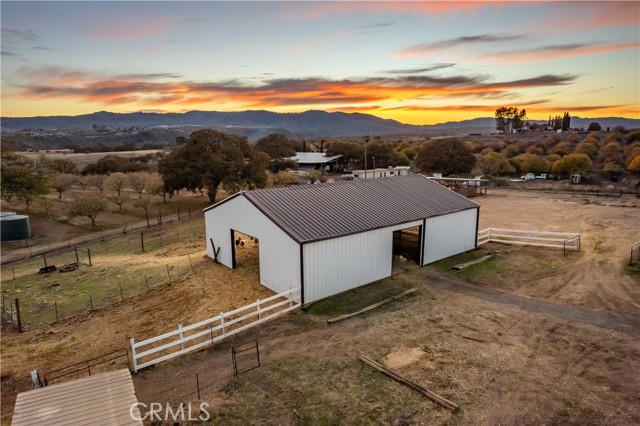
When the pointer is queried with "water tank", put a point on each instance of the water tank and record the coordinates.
(14, 227)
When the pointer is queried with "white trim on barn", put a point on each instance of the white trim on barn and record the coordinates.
(330, 238)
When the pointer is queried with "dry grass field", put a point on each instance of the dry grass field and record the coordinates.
(528, 338)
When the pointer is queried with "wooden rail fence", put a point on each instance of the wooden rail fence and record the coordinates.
(567, 241)
(206, 333)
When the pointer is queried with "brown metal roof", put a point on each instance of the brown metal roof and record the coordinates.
(316, 212)
(102, 400)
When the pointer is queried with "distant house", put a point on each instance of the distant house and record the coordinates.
(308, 161)
(380, 172)
(333, 237)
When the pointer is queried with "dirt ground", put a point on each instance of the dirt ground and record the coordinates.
(553, 342)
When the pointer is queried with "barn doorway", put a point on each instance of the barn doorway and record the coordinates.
(245, 252)
(407, 245)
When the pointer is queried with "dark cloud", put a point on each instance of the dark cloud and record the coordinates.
(540, 81)
(476, 39)
(12, 34)
(377, 25)
(434, 67)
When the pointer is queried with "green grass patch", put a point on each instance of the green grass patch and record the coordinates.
(107, 281)
(307, 390)
(485, 269)
(633, 272)
(357, 298)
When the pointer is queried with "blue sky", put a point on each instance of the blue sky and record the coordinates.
(416, 62)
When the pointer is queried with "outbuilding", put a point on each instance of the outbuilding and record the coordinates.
(333, 237)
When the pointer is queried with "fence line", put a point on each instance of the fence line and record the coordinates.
(568, 241)
(212, 330)
(59, 311)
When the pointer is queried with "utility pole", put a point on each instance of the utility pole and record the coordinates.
(374, 167)
(366, 141)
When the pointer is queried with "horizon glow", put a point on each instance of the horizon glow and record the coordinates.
(415, 62)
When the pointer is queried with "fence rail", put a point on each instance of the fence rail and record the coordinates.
(204, 333)
(635, 253)
(568, 241)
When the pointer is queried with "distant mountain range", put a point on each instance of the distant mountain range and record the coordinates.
(259, 123)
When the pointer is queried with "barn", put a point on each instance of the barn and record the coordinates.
(333, 237)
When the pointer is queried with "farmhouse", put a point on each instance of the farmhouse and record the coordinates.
(333, 237)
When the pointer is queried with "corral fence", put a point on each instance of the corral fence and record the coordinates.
(567, 241)
(205, 333)
(635, 253)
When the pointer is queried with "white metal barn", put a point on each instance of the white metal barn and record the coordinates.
(333, 237)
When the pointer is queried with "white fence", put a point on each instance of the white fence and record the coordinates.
(568, 241)
(197, 336)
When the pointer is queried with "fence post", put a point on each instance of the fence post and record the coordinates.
(147, 281)
(76, 250)
(222, 322)
(90, 303)
(181, 337)
(44, 256)
(133, 355)
(142, 240)
(18, 321)
(89, 254)
(258, 309)
(168, 273)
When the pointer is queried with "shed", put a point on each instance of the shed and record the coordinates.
(333, 237)
(105, 399)
(317, 161)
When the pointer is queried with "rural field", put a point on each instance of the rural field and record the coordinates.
(531, 337)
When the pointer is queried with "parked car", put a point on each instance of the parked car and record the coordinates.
(541, 176)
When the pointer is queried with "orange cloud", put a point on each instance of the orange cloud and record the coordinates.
(165, 90)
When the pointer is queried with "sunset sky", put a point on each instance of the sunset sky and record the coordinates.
(415, 62)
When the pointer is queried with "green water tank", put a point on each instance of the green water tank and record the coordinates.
(14, 227)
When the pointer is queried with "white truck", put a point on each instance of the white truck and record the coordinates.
(528, 177)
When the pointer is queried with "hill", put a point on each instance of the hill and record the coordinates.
(259, 123)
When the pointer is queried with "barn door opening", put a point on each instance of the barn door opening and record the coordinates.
(245, 252)
(406, 248)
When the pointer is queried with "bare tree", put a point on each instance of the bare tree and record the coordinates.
(90, 207)
(138, 181)
(61, 182)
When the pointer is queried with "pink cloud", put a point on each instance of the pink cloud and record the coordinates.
(323, 9)
(155, 50)
(132, 29)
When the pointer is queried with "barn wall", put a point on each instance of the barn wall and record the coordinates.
(341, 264)
(279, 253)
(449, 234)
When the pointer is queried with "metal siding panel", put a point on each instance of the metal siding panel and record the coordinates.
(341, 264)
(279, 254)
(450, 234)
